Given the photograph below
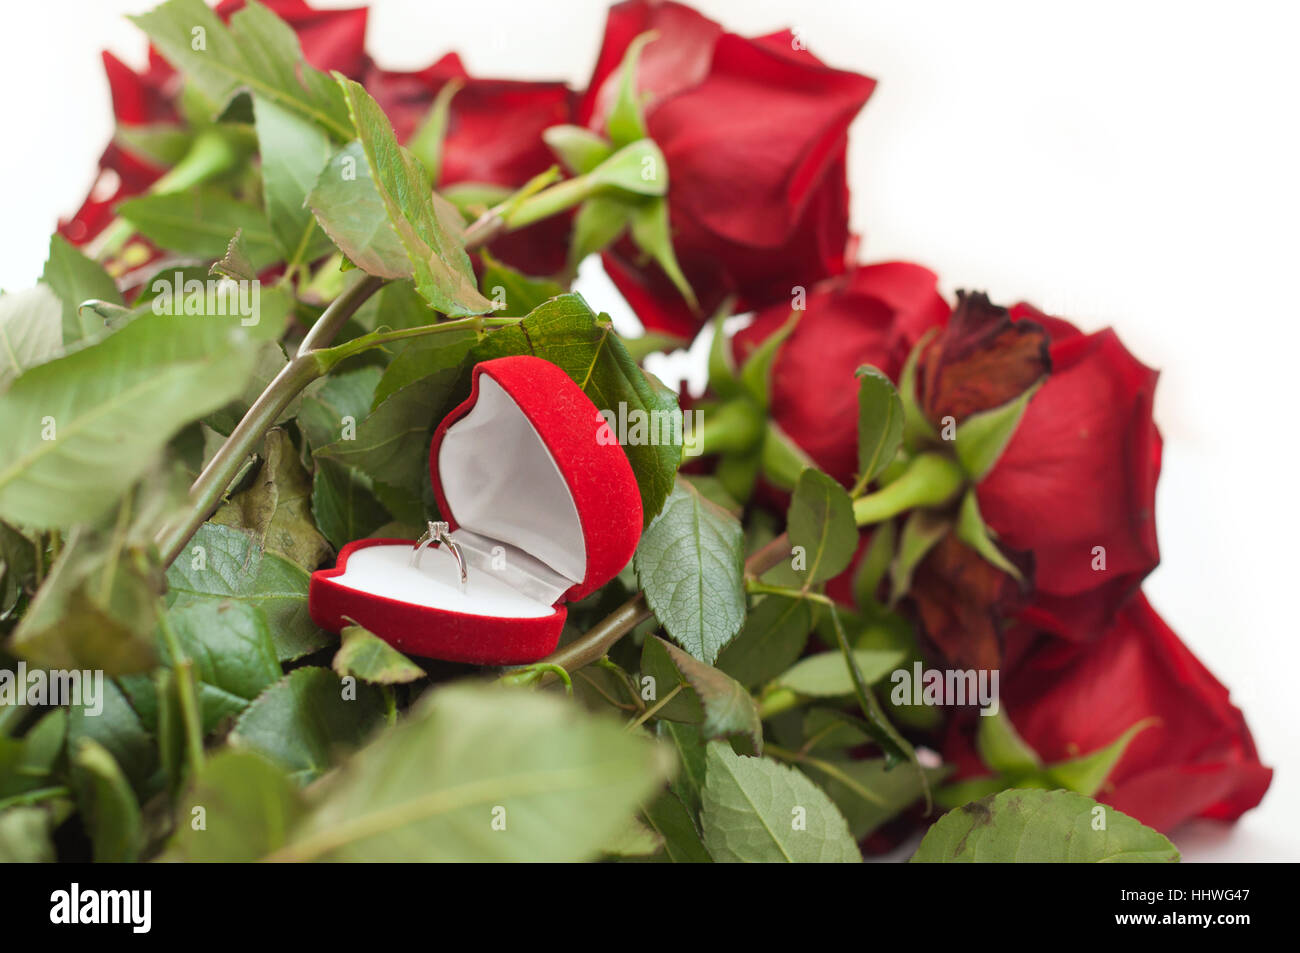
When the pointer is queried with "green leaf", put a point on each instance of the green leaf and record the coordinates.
(27, 763)
(258, 53)
(670, 819)
(343, 503)
(95, 610)
(870, 792)
(691, 759)
(17, 567)
(690, 564)
(223, 563)
(982, 437)
(306, 720)
(201, 222)
(441, 268)
(436, 361)
(75, 278)
(832, 730)
(626, 123)
(31, 331)
(382, 446)
(179, 720)
(880, 423)
(294, 150)
(80, 429)
(514, 293)
(427, 141)
(577, 147)
(682, 705)
(233, 653)
(347, 204)
(758, 811)
(162, 143)
(276, 509)
(108, 806)
(825, 675)
(634, 839)
(820, 520)
(339, 399)
(772, 639)
(961, 792)
(567, 333)
(724, 707)
(116, 726)
(1034, 826)
(248, 807)
(371, 659)
(562, 781)
(711, 488)
(972, 530)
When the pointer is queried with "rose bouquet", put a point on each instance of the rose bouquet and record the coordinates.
(879, 585)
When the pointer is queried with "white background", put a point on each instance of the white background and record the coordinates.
(1116, 163)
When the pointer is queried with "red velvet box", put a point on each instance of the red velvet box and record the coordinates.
(543, 504)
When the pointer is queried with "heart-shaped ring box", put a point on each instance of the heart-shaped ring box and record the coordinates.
(541, 501)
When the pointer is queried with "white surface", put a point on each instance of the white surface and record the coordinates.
(1117, 163)
(386, 571)
(501, 482)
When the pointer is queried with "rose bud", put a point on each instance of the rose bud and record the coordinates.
(754, 133)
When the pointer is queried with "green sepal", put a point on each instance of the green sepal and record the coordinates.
(756, 373)
(982, 437)
(974, 532)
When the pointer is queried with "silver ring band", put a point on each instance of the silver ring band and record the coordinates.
(439, 532)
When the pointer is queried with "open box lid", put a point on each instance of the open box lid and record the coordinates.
(527, 463)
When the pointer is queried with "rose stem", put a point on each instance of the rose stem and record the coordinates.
(211, 485)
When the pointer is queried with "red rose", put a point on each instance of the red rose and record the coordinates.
(1080, 473)
(874, 315)
(493, 136)
(330, 39)
(1071, 498)
(1196, 760)
(754, 133)
(138, 99)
